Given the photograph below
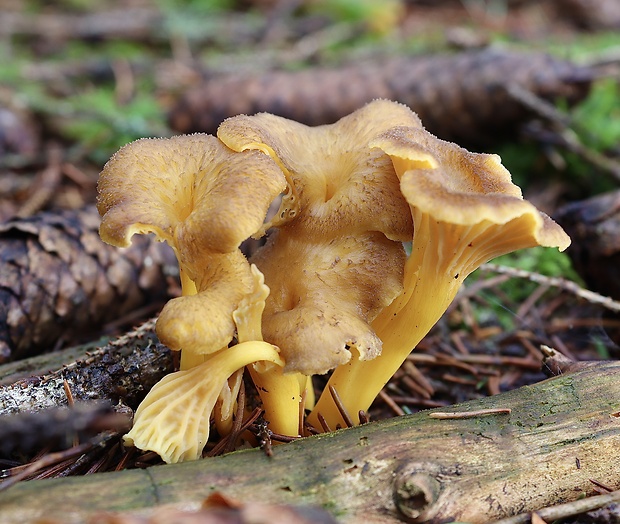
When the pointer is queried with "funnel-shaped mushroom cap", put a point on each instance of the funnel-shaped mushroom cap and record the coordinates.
(465, 211)
(339, 182)
(191, 191)
(454, 186)
(204, 200)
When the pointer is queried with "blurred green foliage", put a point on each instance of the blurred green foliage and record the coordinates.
(595, 121)
(543, 260)
(380, 17)
(598, 117)
(101, 125)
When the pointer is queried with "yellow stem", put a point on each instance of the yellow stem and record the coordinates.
(280, 393)
(188, 359)
(429, 290)
(310, 397)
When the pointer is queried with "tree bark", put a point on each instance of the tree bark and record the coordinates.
(124, 370)
(560, 434)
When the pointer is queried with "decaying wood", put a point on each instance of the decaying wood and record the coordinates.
(123, 370)
(594, 226)
(560, 434)
(586, 505)
(59, 280)
(58, 428)
(591, 14)
(461, 97)
(222, 510)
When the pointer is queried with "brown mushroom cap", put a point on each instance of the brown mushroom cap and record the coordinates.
(337, 258)
(455, 186)
(340, 182)
(203, 199)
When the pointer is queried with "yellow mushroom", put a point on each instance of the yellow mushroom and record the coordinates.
(324, 293)
(337, 257)
(174, 418)
(465, 211)
(203, 199)
(332, 288)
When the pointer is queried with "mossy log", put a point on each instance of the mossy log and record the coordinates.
(559, 434)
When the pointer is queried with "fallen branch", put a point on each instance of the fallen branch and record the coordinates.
(560, 434)
(122, 370)
(558, 282)
(561, 511)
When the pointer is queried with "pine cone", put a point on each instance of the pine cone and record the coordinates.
(461, 97)
(58, 280)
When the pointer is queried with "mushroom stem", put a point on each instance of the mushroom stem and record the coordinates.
(174, 418)
(190, 360)
(226, 403)
(309, 400)
(188, 287)
(442, 255)
(280, 393)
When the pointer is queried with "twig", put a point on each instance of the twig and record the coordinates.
(538, 105)
(469, 414)
(561, 283)
(601, 485)
(561, 511)
(249, 423)
(342, 410)
(238, 422)
(54, 458)
(419, 378)
(70, 403)
(415, 387)
(45, 185)
(324, 424)
(391, 403)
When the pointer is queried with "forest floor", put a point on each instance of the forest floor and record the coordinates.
(80, 79)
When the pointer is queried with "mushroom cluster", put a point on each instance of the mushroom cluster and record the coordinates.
(332, 287)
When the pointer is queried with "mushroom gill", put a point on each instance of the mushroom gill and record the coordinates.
(465, 211)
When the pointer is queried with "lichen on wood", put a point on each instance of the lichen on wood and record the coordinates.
(560, 434)
(123, 370)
